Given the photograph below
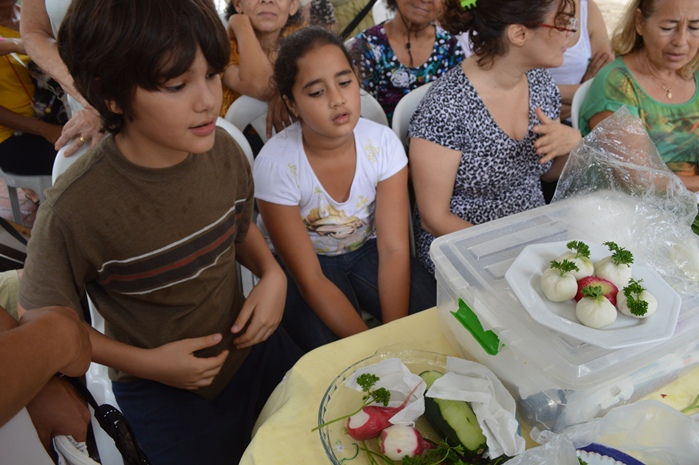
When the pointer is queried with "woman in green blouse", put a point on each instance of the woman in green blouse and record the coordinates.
(656, 77)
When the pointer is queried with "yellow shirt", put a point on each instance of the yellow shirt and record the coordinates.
(16, 87)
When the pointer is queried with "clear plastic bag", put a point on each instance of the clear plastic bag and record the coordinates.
(649, 431)
(619, 163)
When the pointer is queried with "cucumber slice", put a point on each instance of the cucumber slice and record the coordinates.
(454, 420)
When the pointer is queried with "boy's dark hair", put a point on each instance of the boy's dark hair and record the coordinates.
(487, 21)
(295, 47)
(112, 47)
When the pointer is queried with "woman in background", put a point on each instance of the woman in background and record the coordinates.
(26, 142)
(39, 26)
(655, 76)
(405, 52)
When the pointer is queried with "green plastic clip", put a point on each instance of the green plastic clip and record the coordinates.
(468, 4)
(469, 320)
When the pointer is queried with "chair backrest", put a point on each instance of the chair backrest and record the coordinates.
(249, 111)
(238, 136)
(405, 109)
(61, 163)
(381, 13)
(577, 102)
(246, 111)
(372, 109)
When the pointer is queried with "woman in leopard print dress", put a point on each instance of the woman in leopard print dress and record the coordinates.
(488, 131)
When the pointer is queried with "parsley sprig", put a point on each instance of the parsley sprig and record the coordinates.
(593, 292)
(380, 396)
(564, 267)
(620, 256)
(632, 291)
(580, 248)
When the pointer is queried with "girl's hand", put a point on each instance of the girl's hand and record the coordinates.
(85, 126)
(262, 311)
(176, 365)
(556, 139)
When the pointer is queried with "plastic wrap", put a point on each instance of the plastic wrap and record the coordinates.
(619, 163)
(649, 431)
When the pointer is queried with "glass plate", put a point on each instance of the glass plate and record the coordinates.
(340, 400)
(524, 277)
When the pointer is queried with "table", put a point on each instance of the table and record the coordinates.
(291, 412)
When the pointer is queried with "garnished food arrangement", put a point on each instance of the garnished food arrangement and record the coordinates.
(451, 433)
(600, 289)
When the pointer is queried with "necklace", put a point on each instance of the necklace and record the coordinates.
(407, 43)
(659, 83)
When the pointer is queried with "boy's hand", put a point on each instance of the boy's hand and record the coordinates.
(262, 311)
(176, 365)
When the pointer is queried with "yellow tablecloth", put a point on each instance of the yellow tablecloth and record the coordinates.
(284, 427)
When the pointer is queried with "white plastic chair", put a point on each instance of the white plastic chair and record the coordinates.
(238, 136)
(372, 109)
(246, 111)
(405, 109)
(246, 277)
(97, 376)
(577, 102)
(14, 181)
(381, 12)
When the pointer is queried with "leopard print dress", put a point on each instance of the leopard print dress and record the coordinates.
(497, 176)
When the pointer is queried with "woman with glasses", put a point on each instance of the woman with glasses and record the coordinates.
(655, 76)
(488, 131)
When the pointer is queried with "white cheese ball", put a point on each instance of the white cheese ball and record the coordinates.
(618, 274)
(621, 303)
(558, 288)
(585, 266)
(595, 313)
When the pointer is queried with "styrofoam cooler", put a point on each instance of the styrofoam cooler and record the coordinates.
(557, 380)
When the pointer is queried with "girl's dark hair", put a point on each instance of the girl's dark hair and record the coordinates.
(113, 47)
(295, 47)
(487, 21)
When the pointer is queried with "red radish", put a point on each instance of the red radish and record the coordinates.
(609, 289)
(399, 441)
(371, 420)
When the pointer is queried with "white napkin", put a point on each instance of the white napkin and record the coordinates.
(396, 377)
(490, 401)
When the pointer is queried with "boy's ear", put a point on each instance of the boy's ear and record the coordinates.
(114, 107)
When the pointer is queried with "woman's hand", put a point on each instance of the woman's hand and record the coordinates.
(86, 126)
(278, 116)
(597, 61)
(555, 139)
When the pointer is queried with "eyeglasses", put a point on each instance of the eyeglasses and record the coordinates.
(571, 27)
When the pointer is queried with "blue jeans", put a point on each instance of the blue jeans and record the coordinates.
(177, 427)
(356, 274)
